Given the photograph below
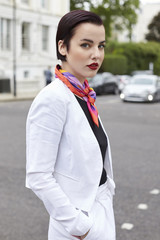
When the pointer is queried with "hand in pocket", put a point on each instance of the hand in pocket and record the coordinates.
(82, 237)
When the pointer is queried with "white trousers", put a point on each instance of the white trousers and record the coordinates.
(103, 227)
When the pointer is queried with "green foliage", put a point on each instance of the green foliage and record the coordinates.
(154, 29)
(130, 15)
(120, 14)
(116, 64)
(78, 4)
(157, 66)
(138, 55)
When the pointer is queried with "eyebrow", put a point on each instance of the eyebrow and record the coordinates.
(88, 40)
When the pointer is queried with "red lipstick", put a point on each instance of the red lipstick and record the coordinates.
(93, 66)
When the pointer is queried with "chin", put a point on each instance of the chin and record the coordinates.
(92, 74)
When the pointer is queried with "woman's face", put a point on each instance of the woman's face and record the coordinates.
(86, 51)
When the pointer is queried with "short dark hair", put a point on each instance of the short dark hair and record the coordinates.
(68, 23)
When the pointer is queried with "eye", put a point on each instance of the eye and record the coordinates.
(102, 46)
(85, 45)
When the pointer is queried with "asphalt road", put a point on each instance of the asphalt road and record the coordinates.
(134, 132)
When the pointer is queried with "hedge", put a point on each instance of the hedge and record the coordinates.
(116, 64)
(137, 56)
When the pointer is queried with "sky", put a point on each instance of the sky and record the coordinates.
(151, 1)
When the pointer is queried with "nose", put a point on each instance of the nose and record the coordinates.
(96, 53)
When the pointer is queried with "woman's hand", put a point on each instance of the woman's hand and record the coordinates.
(85, 235)
(82, 237)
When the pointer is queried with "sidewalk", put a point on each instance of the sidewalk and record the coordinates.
(9, 97)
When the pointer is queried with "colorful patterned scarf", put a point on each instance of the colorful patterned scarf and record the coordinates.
(83, 91)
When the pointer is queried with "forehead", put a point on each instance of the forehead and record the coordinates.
(89, 30)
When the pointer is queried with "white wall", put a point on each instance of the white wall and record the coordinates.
(145, 15)
(35, 61)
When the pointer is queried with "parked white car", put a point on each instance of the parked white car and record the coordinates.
(122, 81)
(142, 88)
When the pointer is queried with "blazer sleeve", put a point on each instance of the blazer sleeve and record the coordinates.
(44, 128)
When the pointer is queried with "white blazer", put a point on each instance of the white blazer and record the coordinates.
(64, 161)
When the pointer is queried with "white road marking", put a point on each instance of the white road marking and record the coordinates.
(142, 206)
(155, 191)
(127, 226)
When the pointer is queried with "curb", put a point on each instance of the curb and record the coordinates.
(10, 98)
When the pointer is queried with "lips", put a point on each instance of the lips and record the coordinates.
(93, 66)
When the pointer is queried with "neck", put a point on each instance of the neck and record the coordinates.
(65, 67)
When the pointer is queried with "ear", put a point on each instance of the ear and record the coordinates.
(62, 48)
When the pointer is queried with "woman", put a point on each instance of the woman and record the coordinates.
(68, 154)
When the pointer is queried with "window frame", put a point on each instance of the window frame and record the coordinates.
(25, 36)
(5, 34)
(45, 37)
(44, 4)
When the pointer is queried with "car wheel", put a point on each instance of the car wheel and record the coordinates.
(98, 92)
(155, 98)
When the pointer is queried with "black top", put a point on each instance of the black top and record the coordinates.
(99, 134)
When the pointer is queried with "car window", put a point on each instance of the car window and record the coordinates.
(96, 80)
(158, 83)
(142, 81)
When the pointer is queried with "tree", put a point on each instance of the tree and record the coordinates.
(154, 29)
(78, 4)
(129, 13)
(120, 14)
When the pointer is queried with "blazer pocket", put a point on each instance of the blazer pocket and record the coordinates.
(65, 175)
(69, 184)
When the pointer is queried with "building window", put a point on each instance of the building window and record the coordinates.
(45, 30)
(5, 34)
(26, 74)
(25, 36)
(44, 3)
(25, 1)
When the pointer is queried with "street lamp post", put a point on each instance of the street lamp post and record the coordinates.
(14, 49)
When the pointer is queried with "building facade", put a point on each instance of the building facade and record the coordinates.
(148, 9)
(27, 43)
